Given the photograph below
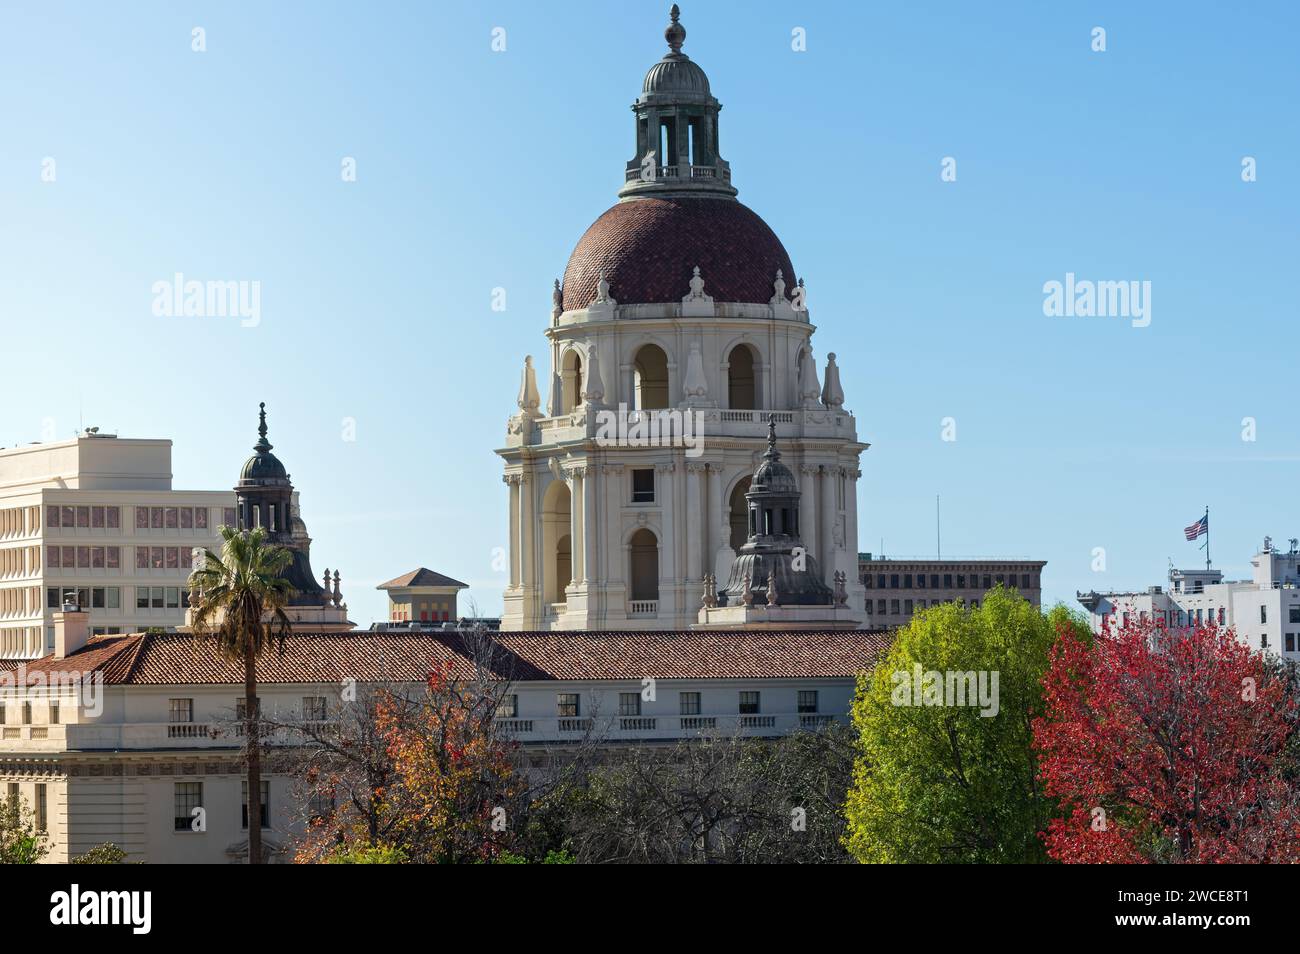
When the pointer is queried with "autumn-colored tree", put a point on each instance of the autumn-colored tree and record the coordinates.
(456, 780)
(1163, 745)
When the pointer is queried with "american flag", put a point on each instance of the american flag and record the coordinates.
(1196, 529)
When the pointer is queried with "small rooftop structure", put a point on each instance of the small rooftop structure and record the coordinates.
(422, 595)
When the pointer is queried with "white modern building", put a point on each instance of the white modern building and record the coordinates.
(679, 332)
(1264, 610)
(97, 516)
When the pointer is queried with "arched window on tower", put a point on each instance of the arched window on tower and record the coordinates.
(570, 382)
(644, 569)
(741, 390)
(650, 378)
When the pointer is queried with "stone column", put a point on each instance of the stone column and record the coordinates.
(669, 544)
(527, 558)
(808, 508)
(590, 545)
(827, 529)
(696, 521)
(574, 480)
(515, 544)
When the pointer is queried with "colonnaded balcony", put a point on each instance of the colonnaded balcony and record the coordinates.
(657, 727)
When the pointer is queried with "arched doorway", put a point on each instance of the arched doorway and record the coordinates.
(557, 544)
(570, 382)
(742, 391)
(739, 515)
(650, 378)
(644, 570)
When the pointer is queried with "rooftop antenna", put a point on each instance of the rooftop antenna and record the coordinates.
(938, 539)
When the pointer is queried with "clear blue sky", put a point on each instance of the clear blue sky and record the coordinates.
(479, 169)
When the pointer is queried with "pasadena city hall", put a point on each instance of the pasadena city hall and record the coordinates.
(680, 333)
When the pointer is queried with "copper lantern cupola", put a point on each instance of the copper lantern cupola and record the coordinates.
(264, 498)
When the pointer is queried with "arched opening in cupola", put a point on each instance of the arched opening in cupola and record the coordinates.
(739, 514)
(742, 392)
(570, 382)
(650, 378)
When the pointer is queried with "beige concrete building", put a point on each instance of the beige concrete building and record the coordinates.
(897, 588)
(97, 515)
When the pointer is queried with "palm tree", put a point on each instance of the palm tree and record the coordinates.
(237, 604)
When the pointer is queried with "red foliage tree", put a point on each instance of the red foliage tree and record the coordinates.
(1161, 744)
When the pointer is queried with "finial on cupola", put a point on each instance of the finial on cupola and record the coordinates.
(262, 442)
(675, 34)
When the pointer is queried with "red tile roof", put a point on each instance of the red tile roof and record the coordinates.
(367, 655)
(421, 577)
(647, 249)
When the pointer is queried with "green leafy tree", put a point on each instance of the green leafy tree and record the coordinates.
(20, 842)
(238, 607)
(936, 781)
(367, 855)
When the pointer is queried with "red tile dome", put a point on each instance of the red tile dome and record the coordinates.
(647, 248)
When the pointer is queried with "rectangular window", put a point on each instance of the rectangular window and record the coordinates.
(1295, 614)
(83, 516)
(170, 518)
(157, 559)
(180, 710)
(1290, 642)
(52, 517)
(97, 558)
(1263, 641)
(54, 712)
(689, 703)
(988, 582)
(173, 595)
(313, 708)
(1263, 614)
(907, 581)
(643, 485)
(142, 518)
(42, 807)
(893, 607)
(155, 518)
(187, 518)
(508, 708)
(114, 517)
(27, 713)
(266, 804)
(893, 581)
(228, 516)
(749, 703)
(52, 598)
(947, 581)
(567, 705)
(186, 796)
(629, 703)
(113, 557)
(1024, 581)
(173, 558)
(52, 559)
(880, 607)
(200, 518)
(807, 700)
(83, 558)
(142, 597)
(97, 597)
(156, 597)
(97, 517)
(961, 581)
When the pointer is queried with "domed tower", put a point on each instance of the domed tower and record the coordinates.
(264, 497)
(679, 329)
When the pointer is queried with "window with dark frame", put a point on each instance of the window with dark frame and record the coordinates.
(186, 796)
(643, 485)
(689, 703)
(807, 700)
(629, 703)
(749, 703)
(567, 705)
(266, 804)
(180, 710)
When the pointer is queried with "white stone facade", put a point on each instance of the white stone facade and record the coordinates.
(571, 469)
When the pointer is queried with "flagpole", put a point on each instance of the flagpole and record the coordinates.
(1207, 536)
